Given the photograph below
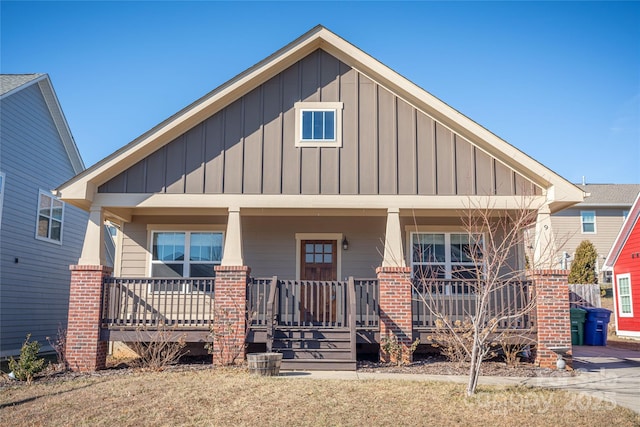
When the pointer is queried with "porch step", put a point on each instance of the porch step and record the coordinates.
(312, 344)
(318, 365)
(317, 354)
(310, 348)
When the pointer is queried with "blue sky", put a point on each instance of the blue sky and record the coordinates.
(558, 80)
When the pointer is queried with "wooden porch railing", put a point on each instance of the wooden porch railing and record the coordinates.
(306, 304)
(456, 300)
(181, 302)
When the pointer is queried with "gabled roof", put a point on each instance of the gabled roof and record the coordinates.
(14, 83)
(623, 235)
(80, 189)
(10, 82)
(609, 194)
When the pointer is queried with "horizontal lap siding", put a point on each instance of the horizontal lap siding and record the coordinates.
(629, 262)
(567, 227)
(388, 146)
(269, 243)
(34, 291)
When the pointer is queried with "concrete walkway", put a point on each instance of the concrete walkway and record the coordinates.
(607, 373)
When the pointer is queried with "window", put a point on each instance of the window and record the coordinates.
(318, 124)
(1, 195)
(625, 214)
(49, 219)
(446, 255)
(185, 253)
(624, 295)
(588, 219)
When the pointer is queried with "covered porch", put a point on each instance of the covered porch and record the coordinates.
(319, 284)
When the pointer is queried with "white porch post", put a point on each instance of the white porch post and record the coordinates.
(233, 240)
(393, 251)
(544, 246)
(93, 248)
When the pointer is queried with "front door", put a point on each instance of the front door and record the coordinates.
(318, 263)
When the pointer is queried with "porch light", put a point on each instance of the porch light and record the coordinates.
(345, 244)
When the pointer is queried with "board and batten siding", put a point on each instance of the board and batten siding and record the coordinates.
(388, 146)
(34, 274)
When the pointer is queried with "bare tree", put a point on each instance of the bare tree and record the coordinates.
(483, 287)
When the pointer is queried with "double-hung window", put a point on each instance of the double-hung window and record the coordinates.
(588, 220)
(318, 124)
(185, 253)
(49, 218)
(446, 255)
(625, 306)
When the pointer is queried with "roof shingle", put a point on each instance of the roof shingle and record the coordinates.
(610, 194)
(9, 82)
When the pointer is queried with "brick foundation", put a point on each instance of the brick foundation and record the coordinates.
(552, 315)
(395, 308)
(85, 352)
(230, 314)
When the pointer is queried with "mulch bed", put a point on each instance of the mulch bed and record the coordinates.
(431, 364)
(438, 365)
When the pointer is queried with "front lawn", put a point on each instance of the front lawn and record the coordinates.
(226, 397)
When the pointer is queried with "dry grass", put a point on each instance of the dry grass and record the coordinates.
(232, 397)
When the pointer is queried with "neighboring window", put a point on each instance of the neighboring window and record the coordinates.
(624, 295)
(1, 195)
(50, 218)
(318, 124)
(185, 253)
(446, 255)
(625, 214)
(588, 219)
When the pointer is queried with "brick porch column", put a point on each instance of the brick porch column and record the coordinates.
(230, 307)
(552, 314)
(85, 352)
(395, 308)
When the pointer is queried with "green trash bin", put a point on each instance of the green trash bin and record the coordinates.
(578, 317)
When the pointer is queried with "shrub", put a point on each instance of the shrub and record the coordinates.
(163, 351)
(583, 267)
(59, 344)
(29, 363)
(395, 349)
(454, 342)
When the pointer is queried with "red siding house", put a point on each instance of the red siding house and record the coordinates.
(624, 258)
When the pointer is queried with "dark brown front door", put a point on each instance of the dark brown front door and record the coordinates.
(318, 262)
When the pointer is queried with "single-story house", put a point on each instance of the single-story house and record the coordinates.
(311, 185)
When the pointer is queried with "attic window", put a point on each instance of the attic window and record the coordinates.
(318, 124)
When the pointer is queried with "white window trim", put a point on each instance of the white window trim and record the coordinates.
(42, 192)
(618, 296)
(338, 237)
(447, 244)
(299, 107)
(3, 179)
(180, 229)
(595, 229)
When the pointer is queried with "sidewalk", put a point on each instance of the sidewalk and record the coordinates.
(608, 373)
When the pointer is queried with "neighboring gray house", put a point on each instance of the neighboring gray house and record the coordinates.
(597, 219)
(40, 236)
